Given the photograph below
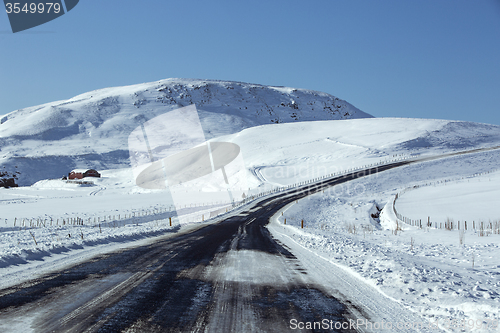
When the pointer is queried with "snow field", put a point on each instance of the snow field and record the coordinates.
(472, 199)
(112, 198)
(427, 270)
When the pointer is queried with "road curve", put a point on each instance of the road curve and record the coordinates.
(232, 276)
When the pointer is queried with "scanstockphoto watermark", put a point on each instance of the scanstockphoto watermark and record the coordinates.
(331, 183)
(359, 324)
(364, 324)
(344, 189)
(170, 152)
(471, 324)
(311, 170)
(28, 14)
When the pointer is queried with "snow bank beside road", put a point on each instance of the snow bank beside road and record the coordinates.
(57, 247)
(427, 270)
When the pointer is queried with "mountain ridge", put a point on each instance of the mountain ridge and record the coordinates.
(90, 129)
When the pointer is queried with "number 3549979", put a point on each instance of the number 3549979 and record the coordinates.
(32, 8)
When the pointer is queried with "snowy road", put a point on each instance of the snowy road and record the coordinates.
(233, 276)
(229, 277)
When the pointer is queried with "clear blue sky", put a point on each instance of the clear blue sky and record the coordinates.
(423, 59)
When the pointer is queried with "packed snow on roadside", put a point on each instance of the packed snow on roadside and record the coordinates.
(448, 276)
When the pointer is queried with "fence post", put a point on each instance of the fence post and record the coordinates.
(302, 224)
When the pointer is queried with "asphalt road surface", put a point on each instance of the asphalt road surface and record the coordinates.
(232, 276)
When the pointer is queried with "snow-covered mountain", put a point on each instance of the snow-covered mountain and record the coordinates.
(90, 130)
(429, 270)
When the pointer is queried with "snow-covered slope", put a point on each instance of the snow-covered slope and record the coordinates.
(288, 153)
(427, 270)
(274, 155)
(450, 277)
(91, 130)
(470, 199)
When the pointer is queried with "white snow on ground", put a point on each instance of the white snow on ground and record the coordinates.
(279, 154)
(427, 269)
(434, 277)
(470, 199)
(289, 153)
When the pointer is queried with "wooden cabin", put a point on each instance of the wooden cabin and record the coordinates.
(82, 173)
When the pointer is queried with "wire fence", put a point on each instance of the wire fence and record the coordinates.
(187, 214)
(482, 227)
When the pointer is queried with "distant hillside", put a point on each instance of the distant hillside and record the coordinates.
(91, 129)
